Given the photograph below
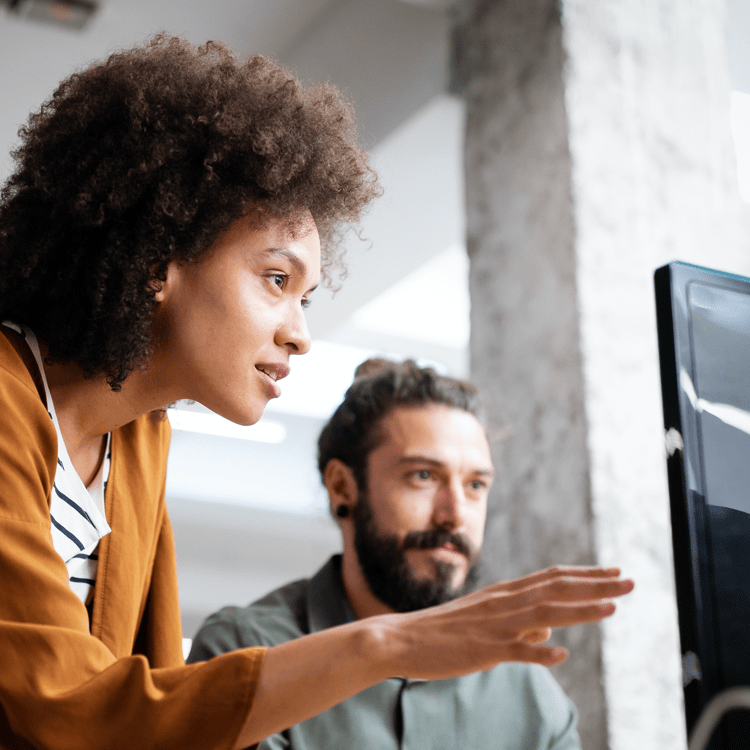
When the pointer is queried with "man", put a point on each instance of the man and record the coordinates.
(407, 467)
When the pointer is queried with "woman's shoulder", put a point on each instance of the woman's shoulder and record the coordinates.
(21, 396)
(17, 362)
(28, 441)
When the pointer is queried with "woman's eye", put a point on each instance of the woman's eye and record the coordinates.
(279, 279)
(478, 485)
(423, 474)
(306, 303)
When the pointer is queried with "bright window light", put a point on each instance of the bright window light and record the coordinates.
(430, 304)
(212, 424)
(318, 381)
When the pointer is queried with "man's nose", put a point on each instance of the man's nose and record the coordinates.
(450, 505)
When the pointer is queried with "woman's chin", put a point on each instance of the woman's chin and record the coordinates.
(247, 418)
(243, 415)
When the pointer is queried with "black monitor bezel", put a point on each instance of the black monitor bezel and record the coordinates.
(690, 536)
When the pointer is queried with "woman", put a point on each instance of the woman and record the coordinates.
(159, 240)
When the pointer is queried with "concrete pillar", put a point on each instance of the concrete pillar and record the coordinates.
(597, 148)
(525, 343)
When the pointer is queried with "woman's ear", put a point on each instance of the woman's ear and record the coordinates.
(160, 287)
(157, 287)
(342, 488)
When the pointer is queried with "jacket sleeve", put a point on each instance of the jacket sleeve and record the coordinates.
(61, 687)
(232, 628)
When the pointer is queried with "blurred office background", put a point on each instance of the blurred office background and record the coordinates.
(247, 505)
(597, 141)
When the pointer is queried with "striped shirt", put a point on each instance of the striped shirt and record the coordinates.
(77, 518)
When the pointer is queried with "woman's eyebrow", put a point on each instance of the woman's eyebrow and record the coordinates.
(294, 259)
(291, 256)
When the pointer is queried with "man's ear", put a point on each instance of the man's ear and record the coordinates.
(342, 487)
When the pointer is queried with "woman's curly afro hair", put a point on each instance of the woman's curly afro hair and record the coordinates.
(146, 158)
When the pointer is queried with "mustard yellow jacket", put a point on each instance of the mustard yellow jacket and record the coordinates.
(123, 684)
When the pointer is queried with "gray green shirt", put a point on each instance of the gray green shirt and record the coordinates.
(510, 707)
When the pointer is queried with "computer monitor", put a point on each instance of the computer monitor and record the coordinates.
(703, 320)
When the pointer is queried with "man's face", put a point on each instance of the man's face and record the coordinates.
(420, 522)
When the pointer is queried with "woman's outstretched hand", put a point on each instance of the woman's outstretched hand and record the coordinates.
(506, 622)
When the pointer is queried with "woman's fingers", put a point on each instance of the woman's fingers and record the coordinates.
(559, 615)
(538, 635)
(572, 589)
(525, 652)
(508, 622)
(533, 624)
(549, 603)
(557, 572)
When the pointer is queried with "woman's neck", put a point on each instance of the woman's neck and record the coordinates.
(87, 409)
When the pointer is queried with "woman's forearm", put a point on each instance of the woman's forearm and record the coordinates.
(505, 622)
(303, 677)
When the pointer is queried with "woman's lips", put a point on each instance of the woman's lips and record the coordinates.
(271, 372)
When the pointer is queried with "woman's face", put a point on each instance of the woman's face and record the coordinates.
(226, 325)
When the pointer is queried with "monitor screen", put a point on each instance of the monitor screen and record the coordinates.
(703, 319)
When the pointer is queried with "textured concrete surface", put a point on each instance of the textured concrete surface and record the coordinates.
(525, 350)
(598, 148)
(654, 180)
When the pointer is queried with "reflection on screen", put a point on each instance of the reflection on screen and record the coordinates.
(720, 342)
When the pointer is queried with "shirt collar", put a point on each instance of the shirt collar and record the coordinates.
(327, 605)
(326, 601)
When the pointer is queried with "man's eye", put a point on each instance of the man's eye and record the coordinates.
(423, 474)
(478, 484)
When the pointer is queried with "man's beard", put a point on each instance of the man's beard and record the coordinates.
(387, 572)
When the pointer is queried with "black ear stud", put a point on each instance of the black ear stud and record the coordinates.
(342, 511)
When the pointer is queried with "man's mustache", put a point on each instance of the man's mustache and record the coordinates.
(432, 538)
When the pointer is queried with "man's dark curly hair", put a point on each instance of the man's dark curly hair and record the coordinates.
(144, 159)
(379, 387)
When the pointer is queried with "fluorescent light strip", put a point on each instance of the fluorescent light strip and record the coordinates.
(213, 424)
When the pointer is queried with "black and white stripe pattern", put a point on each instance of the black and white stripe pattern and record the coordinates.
(77, 518)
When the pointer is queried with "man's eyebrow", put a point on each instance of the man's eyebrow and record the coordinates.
(294, 259)
(434, 462)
